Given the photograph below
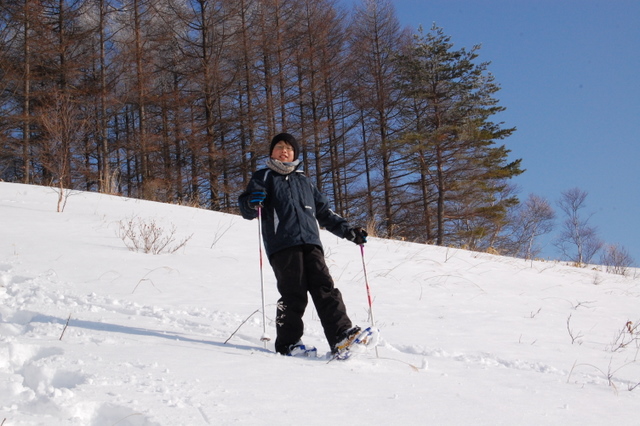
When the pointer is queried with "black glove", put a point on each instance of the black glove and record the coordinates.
(357, 235)
(257, 198)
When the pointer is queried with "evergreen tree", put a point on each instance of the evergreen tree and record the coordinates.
(459, 171)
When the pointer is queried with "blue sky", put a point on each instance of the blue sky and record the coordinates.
(569, 73)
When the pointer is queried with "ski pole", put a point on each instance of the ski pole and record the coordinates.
(265, 337)
(366, 281)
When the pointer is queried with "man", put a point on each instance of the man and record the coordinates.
(292, 207)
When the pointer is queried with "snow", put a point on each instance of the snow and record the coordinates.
(92, 333)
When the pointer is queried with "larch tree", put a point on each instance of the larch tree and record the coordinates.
(375, 36)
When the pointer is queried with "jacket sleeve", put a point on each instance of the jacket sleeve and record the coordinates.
(255, 184)
(329, 219)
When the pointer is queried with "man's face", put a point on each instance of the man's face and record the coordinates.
(283, 151)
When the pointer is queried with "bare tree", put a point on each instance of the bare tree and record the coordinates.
(245, 103)
(320, 63)
(20, 25)
(616, 259)
(578, 241)
(376, 33)
(62, 126)
(26, 109)
(532, 219)
(106, 178)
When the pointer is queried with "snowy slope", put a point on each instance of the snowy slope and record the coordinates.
(467, 338)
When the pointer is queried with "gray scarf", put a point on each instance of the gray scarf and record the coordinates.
(282, 168)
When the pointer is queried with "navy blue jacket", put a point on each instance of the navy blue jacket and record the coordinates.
(292, 210)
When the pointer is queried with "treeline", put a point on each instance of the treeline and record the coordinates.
(177, 100)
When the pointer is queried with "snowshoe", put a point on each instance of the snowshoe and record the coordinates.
(302, 350)
(355, 341)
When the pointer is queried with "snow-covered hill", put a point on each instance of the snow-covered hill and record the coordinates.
(467, 338)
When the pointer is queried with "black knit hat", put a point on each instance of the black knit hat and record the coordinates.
(286, 137)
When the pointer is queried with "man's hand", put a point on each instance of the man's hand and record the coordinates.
(256, 199)
(358, 235)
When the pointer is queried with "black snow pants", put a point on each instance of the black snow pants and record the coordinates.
(299, 270)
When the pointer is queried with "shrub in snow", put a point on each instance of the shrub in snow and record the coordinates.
(148, 237)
